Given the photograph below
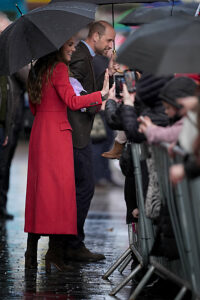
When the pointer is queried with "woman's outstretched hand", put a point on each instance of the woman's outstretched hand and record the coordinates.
(105, 90)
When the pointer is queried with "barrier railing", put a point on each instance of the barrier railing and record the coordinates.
(184, 223)
(183, 202)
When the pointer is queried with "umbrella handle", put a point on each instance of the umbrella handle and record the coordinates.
(19, 10)
(113, 23)
(197, 11)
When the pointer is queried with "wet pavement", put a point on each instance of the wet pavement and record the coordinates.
(106, 232)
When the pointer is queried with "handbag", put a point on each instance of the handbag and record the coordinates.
(126, 161)
(98, 133)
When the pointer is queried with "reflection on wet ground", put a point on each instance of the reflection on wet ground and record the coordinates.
(106, 232)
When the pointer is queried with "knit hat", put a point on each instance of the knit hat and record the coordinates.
(178, 88)
(148, 88)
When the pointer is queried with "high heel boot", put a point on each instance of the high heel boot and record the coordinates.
(31, 251)
(55, 254)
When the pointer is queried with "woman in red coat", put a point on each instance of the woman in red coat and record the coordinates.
(50, 197)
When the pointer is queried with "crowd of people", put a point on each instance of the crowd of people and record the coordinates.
(67, 89)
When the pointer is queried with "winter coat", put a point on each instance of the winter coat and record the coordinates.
(169, 134)
(192, 169)
(112, 114)
(50, 196)
(81, 66)
(129, 117)
(165, 242)
(16, 86)
(153, 199)
(189, 132)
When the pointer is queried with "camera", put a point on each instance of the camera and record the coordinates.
(119, 80)
(128, 78)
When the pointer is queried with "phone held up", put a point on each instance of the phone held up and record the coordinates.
(128, 78)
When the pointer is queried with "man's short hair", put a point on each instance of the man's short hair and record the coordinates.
(99, 27)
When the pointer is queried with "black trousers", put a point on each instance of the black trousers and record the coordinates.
(7, 154)
(130, 195)
(84, 179)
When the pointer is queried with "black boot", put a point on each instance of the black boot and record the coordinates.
(31, 251)
(55, 254)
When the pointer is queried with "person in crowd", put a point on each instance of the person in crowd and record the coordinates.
(175, 88)
(153, 208)
(6, 122)
(99, 40)
(50, 197)
(120, 139)
(189, 141)
(145, 102)
(124, 116)
(12, 108)
(112, 117)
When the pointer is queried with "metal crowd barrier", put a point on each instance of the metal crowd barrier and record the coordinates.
(145, 241)
(183, 202)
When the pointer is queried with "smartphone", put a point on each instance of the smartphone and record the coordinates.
(129, 77)
(119, 80)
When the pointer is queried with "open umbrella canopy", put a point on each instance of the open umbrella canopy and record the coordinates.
(104, 2)
(167, 46)
(145, 15)
(40, 32)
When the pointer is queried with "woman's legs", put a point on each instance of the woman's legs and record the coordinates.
(55, 253)
(31, 251)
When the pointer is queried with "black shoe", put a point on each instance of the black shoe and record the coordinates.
(83, 254)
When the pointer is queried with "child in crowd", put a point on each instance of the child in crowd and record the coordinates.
(174, 89)
(189, 140)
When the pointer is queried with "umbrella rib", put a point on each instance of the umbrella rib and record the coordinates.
(41, 32)
(45, 8)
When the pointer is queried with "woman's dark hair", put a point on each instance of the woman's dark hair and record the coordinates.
(41, 73)
(197, 141)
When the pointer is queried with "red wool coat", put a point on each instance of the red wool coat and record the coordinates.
(50, 195)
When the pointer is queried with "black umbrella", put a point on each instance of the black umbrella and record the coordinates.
(104, 2)
(40, 32)
(167, 46)
(145, 15)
